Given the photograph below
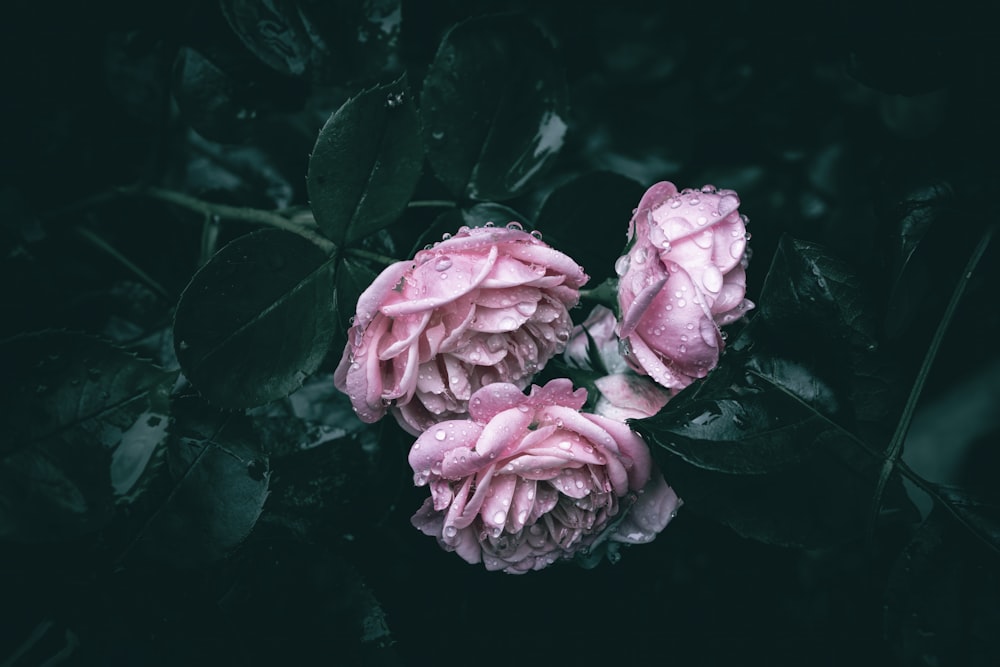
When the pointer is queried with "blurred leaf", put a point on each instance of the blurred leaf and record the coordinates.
(82, 420)
(217, 477)
(979, 514)
(940, 605)
(293, 602)
(333, 474)
(494, 104)
(366, 163)
(257, 319)
(822, 500)
(323, 40)
(477, 215)
(921, 219)
(600, 200)
(806, 281)
(212, 101)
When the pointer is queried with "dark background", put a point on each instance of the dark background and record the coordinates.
(837, 124)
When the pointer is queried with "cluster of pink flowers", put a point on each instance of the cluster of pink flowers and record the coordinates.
(448, 342)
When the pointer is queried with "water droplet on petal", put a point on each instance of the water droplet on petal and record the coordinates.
(508, 324)
(515, 226)
(450, 531)
(622, 265)
(499, 517)
(565, 444)
(712, 279)
(440, 435)
(442, 264)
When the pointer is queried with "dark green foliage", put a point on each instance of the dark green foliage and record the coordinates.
(222, 503)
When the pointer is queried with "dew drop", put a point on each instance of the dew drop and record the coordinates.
(537, 234)
(712, 279)
(450, 531)
(675, 202)
(499, 517)
(565, 444)
(579, 483)
(440, 435)
(681, 303)
(622, 265)
(515, 226)
(736, 249)
(508, 324)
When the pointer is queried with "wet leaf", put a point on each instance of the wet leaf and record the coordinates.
(600, 200)
(494, 106)
(82, 421)
(940, 605)
(257, 319)
(738, 422)
(214, 487)
(807, 281)
(366, 163)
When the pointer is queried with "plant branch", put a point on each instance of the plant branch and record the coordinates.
(103, 245)
(432, 203)
(245, 214)
(896, 443)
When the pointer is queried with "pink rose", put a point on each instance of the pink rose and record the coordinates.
(624, 395)
(682, 277)
(528, 480)
(486, 305)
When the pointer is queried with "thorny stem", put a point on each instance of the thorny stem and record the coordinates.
(896, 443)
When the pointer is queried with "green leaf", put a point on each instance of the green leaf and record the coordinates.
(940, 604)
(494, 104)
(477, 215)
(216, 482)
(366, 163)
(737, 423)
(82, 421)
(806, 280)
(257, 319)
(600, 200)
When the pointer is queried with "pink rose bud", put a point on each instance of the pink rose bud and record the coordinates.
(682, 277)
(529, 480)
(489, 304)
(624, 395)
